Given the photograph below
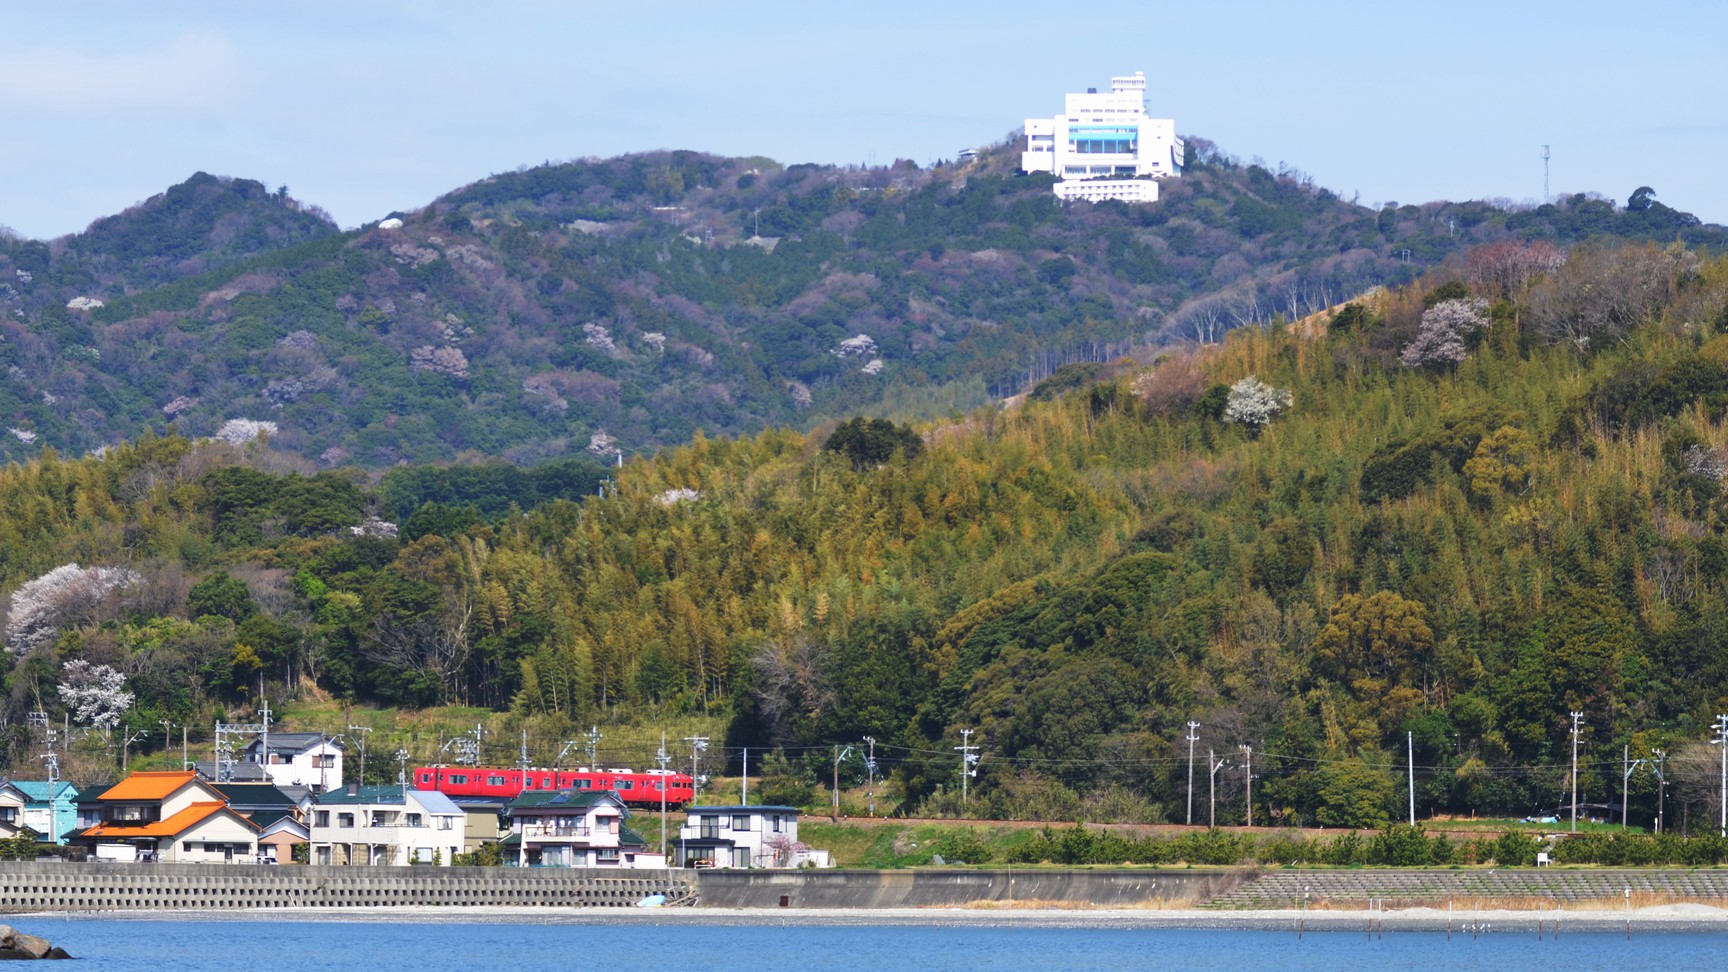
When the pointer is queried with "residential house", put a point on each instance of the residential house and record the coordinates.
(299, 759)
(277, 814)
(385, 826)
(484, 821)
(574, 828)
(52, 811)
(12, 803)
(744, 836)
(169, 816)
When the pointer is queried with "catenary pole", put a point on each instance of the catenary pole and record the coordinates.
(1193, 737)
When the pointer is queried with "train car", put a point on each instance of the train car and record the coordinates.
(635, 789)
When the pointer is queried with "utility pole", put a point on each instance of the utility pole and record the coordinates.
(1722, 740)
(967, 761)
(126, 747)
(698, 746)
(359, 734)
(838, 756)
(1213, 764)
(1248, 781)
(1576, 718)
(592, 746)
(1661, 785)
(53, 760)
(1410, 756)
(1193, 738)
(870, 773)
(663, 759)
(402, 769)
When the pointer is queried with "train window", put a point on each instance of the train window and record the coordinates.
(458, 778)
(546, 782)
(425, 777)
(494, 781)
(626, 785)
(530, 782)
(584, 784)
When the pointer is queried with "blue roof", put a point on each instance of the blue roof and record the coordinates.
(37, 790)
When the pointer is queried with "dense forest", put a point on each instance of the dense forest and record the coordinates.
(621, 305)
(1447, 515)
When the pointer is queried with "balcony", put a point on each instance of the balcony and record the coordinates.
(559, 829)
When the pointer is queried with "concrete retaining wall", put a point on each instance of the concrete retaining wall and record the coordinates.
(31, 886)
(927, 888)
(1285, 889)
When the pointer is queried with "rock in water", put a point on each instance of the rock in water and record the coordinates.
(14, 944)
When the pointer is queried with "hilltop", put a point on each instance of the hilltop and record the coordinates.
(1450, 514)
(626, 304)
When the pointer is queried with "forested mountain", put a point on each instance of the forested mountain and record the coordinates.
(1460, 509)
(625, 304)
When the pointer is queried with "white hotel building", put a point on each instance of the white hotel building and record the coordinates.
(1103, 146)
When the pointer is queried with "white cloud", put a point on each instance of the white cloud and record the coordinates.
(198, 72)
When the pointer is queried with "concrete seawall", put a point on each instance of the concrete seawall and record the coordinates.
(31, 886)
(926, 888)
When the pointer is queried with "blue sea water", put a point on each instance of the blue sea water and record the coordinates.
(384, 946)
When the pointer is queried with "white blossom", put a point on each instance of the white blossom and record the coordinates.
(23, 435)
(67, 594)
(602, 444)
(390, 224)
(654, 339)
(182, 404)
(598, 336)
(673, 497)
(95, 695)
(1253, 403)
(440, 361)
(83, 304)
(858, 344)
(241, 431)
(1440, 338)
(374, 527)
(873, 368)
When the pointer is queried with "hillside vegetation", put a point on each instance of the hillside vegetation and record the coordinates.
(1459, 510)
(626, 304)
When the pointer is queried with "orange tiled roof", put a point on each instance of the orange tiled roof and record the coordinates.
(157, 785)
(173, 826)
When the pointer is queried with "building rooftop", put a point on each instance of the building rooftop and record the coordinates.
(569, 799)
(176, 824)
(154, 785)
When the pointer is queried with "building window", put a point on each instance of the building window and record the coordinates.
(741, 822)
(345, 820)
(606, 855)
(776, 823)
(322, 819)
(414, 820)
(323, 854)
(445, 823)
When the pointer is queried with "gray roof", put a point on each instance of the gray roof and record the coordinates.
(753, 808)
(292, 742)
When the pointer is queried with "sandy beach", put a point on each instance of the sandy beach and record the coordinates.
(1657, 918)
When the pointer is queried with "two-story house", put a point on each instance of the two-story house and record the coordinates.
(574, 828)
(277, 815)
(744, 836)
(12, 803)
(52, 810)
(309, 759)
(385, 826)
(169, 816)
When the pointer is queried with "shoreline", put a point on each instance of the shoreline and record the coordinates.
(1691, 918)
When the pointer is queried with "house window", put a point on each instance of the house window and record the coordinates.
(414, 820)
(344, 820)
(424, 855)
(740, 857)
(606, 855)
(323, 761)
(445, 823)
(323, 854)
(741, 822)
(8, 814)
(776, 823)
(322, 819)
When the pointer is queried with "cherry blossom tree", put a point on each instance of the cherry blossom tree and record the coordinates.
(68, 594)
(95, 695)
(1253, 403)
(1440, 338)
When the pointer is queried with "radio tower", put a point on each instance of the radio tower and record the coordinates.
(1545, 175)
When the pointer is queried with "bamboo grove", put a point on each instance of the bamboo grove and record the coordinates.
(1461, 552)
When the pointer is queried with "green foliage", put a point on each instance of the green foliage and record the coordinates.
(870, 442)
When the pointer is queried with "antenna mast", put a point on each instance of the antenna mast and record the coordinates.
(1545, 196)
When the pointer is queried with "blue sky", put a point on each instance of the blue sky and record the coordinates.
(369, 106)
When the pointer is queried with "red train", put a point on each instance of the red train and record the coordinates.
(635, 789)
